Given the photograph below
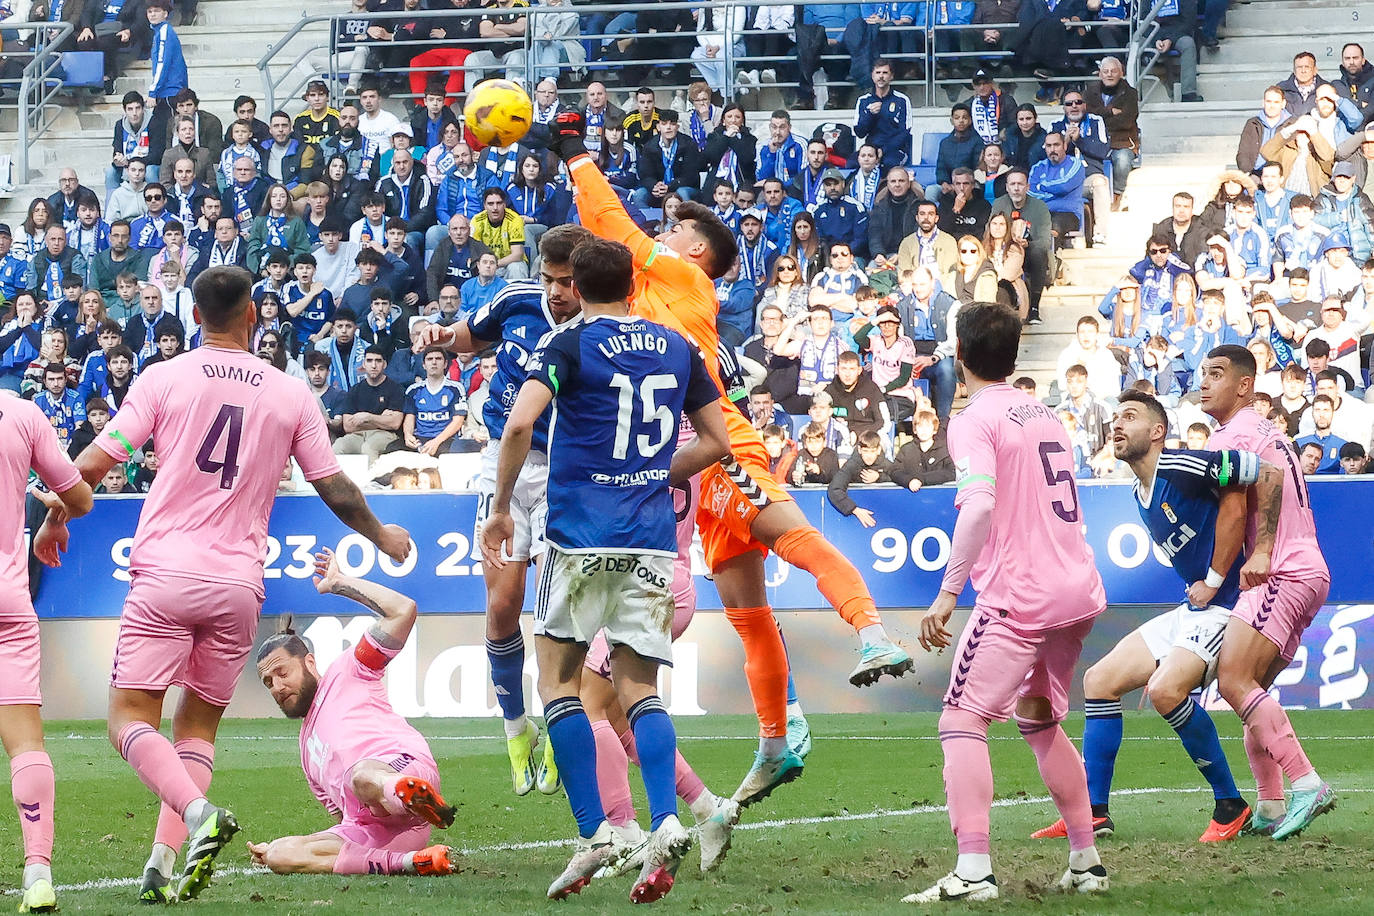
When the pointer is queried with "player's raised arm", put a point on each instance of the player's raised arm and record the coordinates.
(534, 398)
(455, 338)
(346, 501)
(395, 612)
(598, 206)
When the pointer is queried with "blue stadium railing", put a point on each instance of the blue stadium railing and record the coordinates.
(35, 94)
(943, 55)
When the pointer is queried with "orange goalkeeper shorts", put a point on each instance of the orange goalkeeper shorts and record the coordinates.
(733, 493)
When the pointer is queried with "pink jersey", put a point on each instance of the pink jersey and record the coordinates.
(1036, 565)
(352, 720)
(27, 440)
(1296, 552)
(223, 423)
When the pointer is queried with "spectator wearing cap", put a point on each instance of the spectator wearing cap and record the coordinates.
(991, 109)
(839, 218)
(409, 198)
(1117, 103)
(319, 120)
(13, 269)
(893, 358)
(1300, 86)
(502, 230)
(1342, 205)
(884, 118)
(670, 163)
(1358, 151)
(959, 148)
(756, 251)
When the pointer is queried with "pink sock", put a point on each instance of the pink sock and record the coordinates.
(199, 759)
(968, 778)
(1061, 769)
(689, 784)
(613, 775)
(1274, 733)
(1268, 776)
(33, 788)
(362, 860)
(158, 766)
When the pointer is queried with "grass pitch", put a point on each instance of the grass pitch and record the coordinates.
(863, 827)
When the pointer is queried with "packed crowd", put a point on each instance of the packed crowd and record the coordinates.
(365, 227)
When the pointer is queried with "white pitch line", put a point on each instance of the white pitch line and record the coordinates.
(775, 824)
(818, 737)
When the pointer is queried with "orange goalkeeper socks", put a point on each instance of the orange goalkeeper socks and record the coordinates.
(765, 666)
(836, 577)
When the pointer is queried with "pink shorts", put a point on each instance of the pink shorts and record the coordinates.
(684, 587)
(188, 632)
(995, 665)
(19, 663)
(395, 832)
(1281, 609)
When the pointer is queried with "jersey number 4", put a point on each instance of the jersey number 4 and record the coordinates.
(228, 425)
(652, 412)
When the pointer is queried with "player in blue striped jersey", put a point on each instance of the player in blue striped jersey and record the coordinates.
(512, 324)
(1194, 505)
(620, 385)
(435, 408)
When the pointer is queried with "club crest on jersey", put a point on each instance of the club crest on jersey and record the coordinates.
(1169, 513)
(719, 499)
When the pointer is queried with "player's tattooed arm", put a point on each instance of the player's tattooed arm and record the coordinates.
(395, 612)
(1268, 504)
(346, 501)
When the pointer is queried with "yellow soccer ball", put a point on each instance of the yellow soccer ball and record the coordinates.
(498, 112)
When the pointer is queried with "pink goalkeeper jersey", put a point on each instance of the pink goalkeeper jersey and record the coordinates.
(223, 423)
(352, 720)
(27, 440)
(1296, 552)
(1036, 565)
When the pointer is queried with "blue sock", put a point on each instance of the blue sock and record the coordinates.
(791, 684)
(507, 660)
(657, 744)
(1199, 736)
(574, 750)
(1102, 734)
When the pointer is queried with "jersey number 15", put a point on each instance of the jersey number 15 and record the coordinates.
(652, 412)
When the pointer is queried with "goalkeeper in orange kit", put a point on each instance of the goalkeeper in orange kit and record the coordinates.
(744, 512)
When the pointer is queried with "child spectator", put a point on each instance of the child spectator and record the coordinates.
(867, 465)
(925, 460)
(816, 463)
(782, 451)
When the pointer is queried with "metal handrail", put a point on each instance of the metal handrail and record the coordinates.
(276, 87)
(38, 87)
(1143, 46)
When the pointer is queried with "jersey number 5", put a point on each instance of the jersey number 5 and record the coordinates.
(1066, 511)
(653, 412)
(228, 425)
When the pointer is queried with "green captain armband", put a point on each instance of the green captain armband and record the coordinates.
(117, 436)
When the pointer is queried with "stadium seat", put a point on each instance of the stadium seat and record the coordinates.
(923, 172)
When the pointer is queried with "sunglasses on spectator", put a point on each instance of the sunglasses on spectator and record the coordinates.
(151, 197)
(782, 267)
(1073, 102)
(1159, 251)
(968, 250)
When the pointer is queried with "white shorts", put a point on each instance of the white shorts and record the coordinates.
(628, 595)
(527, 505)
(1198, 631)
